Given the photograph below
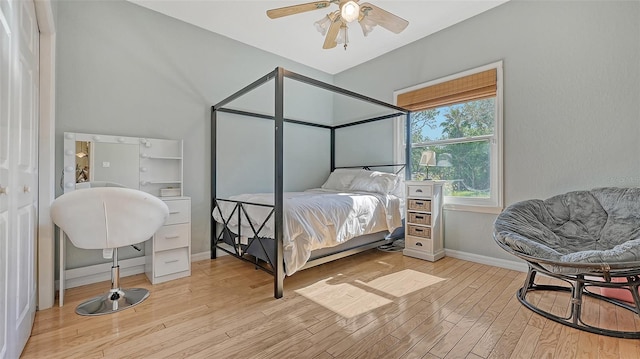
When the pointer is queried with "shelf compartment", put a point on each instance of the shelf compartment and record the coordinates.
(146, 156)
(418, 231)
(420, 205)
(160, 182)
(419, 218)
(161, 149)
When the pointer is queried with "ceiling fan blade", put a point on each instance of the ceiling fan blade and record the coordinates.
(296, 9)
(384, 18)
(332, 34)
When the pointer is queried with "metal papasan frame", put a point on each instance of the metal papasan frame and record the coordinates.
(583, 276)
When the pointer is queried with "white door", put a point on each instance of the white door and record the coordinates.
(5, 79)
(18, 173)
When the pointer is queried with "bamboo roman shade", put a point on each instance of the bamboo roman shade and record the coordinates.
(472, 87)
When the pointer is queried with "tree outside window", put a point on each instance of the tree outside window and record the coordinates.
(460, 135)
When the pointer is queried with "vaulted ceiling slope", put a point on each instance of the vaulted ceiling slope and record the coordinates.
(295, 37)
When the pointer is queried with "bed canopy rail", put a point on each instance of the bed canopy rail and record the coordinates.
(278, 75)
(330, 128)
(268, 117)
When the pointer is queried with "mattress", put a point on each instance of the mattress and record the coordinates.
(313, 219)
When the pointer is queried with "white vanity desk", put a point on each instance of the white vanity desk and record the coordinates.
(150, 165)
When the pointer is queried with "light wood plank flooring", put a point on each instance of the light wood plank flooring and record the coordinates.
(371, 305)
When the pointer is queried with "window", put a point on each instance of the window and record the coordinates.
(459, 119)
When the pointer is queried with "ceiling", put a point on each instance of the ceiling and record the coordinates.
(295, 37)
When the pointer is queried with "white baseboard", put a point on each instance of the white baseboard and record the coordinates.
(102, 272)
(201, 256)
(519, 266)
(207, 255)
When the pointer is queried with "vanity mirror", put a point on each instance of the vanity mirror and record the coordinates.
(148, 164)
(82, 161)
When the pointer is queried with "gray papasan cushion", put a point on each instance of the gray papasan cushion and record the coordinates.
(597, 226)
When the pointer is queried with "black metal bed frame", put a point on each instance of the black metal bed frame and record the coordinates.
(275, 262)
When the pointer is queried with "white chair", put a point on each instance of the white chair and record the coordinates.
(109, 218)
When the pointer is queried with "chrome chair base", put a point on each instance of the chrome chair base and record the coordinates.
(114, 301)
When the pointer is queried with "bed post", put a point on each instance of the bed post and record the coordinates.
(213, 180)
(407, 149)
(278, 270)
(333, 149)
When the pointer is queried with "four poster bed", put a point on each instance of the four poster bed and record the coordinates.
(282, 232)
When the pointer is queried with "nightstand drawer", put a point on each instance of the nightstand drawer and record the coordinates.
(419, 218)
(418, 244)
(424, 232)
(179, 211)
(419, 205)
(419, 191)
(172, 261)
(172, 236)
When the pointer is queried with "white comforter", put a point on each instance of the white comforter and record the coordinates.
(316, 219)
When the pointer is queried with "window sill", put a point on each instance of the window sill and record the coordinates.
(470, 208)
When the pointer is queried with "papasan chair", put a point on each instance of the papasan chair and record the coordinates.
(589, 239)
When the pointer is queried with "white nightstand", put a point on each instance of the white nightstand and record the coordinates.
(168, 253)
(423, 220)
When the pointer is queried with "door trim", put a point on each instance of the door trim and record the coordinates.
(46, 156)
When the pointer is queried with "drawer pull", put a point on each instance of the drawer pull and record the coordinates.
(174, 212)
(419, 217)
(418, 244)
(418, 190)
(173, 261)
(418, 230)
(419, 203)
(171, 237)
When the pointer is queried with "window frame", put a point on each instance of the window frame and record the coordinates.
(495, 203)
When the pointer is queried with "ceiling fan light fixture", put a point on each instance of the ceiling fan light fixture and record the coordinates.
(367, 25)
(350, 11)
(343, 36)
(334, 26)
(323, 24)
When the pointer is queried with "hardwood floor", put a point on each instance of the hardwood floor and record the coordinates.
(371, 305)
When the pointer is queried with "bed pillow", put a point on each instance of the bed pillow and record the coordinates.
(398, 191)
(374, 181)
(341, 178)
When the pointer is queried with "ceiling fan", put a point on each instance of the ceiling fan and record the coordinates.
(335, 24)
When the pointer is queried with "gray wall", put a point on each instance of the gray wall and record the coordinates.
(571, 96)
(125, 70)
(571, 115)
